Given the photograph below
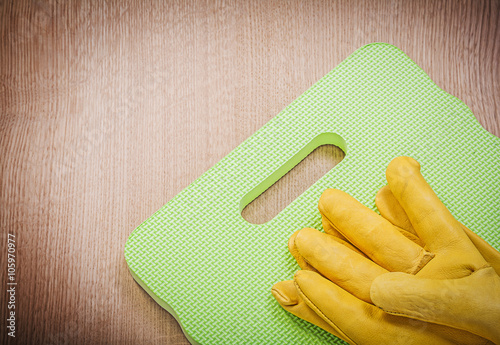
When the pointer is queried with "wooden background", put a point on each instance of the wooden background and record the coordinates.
(110, 108)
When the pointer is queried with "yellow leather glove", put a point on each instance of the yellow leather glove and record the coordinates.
(370, 277)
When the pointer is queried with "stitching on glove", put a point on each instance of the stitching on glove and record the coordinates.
(281, 295)
(322, 315)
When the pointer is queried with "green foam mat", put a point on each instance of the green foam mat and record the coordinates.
(200, 260)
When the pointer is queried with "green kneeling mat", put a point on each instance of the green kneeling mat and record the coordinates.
(213, 271)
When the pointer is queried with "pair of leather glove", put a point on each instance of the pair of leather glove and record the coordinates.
(411, 275)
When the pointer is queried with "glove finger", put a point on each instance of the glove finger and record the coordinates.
(359, 322)
(330, 229)
(314, 297)
(303, 264)
(430, 218)
(391, 210)
(335, 261)
(371, 233)
(286, 294)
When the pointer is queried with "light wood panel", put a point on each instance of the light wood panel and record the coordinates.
(110, 108)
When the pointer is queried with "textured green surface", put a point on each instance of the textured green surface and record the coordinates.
(198, 256)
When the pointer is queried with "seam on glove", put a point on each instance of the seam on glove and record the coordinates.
(309, 267)
(487, 265)
(487, 342)
(318, 311)
(425, 257)
(276, 291)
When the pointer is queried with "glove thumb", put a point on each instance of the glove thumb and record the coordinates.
(471, 303)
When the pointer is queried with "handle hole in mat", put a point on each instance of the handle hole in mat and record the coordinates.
(309, 167)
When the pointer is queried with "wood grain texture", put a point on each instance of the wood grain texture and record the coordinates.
(111, 108)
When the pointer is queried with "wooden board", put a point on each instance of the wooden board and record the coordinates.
(100, 103)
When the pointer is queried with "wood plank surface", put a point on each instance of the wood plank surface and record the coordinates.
(108, 109)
